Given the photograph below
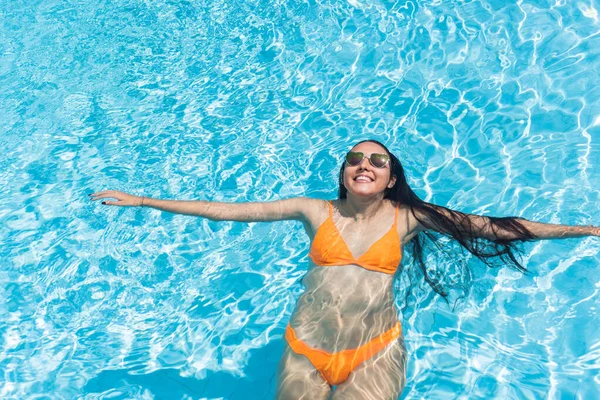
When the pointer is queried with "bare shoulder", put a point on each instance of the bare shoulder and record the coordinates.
(408, 224)
(411, 214)
(314, 213)
(314, 210)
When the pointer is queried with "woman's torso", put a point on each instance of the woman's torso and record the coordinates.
(345, 306)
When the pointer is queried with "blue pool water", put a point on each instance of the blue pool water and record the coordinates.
(493, 108)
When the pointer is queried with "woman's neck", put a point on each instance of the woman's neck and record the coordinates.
(362, 208)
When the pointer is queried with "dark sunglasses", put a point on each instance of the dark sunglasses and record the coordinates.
(378, 160)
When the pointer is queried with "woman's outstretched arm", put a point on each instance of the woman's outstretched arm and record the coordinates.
(289, 209)
(490, 228)
(556, 231)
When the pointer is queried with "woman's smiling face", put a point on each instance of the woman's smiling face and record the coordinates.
(372, 180)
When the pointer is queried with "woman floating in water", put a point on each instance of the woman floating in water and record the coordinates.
(345, 330)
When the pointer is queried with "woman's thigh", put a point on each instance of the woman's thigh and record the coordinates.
(383, 376)
(298, 379)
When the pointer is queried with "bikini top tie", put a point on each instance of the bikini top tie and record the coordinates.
(328, 248)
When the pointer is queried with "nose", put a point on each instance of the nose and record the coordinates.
(364, 163)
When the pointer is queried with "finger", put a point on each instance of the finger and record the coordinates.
(97, 194)
(103, 195)
(110, 203)
(97, 197)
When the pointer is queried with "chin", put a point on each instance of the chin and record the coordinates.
(363, 193)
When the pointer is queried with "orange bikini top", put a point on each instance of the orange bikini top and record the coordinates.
(328, 248)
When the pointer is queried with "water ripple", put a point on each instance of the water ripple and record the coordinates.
(492, 107)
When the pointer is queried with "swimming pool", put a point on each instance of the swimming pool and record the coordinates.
(492, 109)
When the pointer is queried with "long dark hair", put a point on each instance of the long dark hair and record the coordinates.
(454, 224)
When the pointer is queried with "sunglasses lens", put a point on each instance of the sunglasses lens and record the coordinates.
(354, 158)
(379, 160)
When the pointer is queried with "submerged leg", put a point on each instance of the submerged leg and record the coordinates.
(383, 376)
(298, 379)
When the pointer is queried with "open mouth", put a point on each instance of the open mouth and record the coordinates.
(363, 179)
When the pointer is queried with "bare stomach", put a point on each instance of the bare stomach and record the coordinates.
(343, 307)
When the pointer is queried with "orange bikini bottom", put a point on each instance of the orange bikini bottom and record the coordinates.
(336, 367)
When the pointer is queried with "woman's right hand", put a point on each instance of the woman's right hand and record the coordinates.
(123, 199)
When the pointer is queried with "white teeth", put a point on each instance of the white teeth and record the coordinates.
(363, 179)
